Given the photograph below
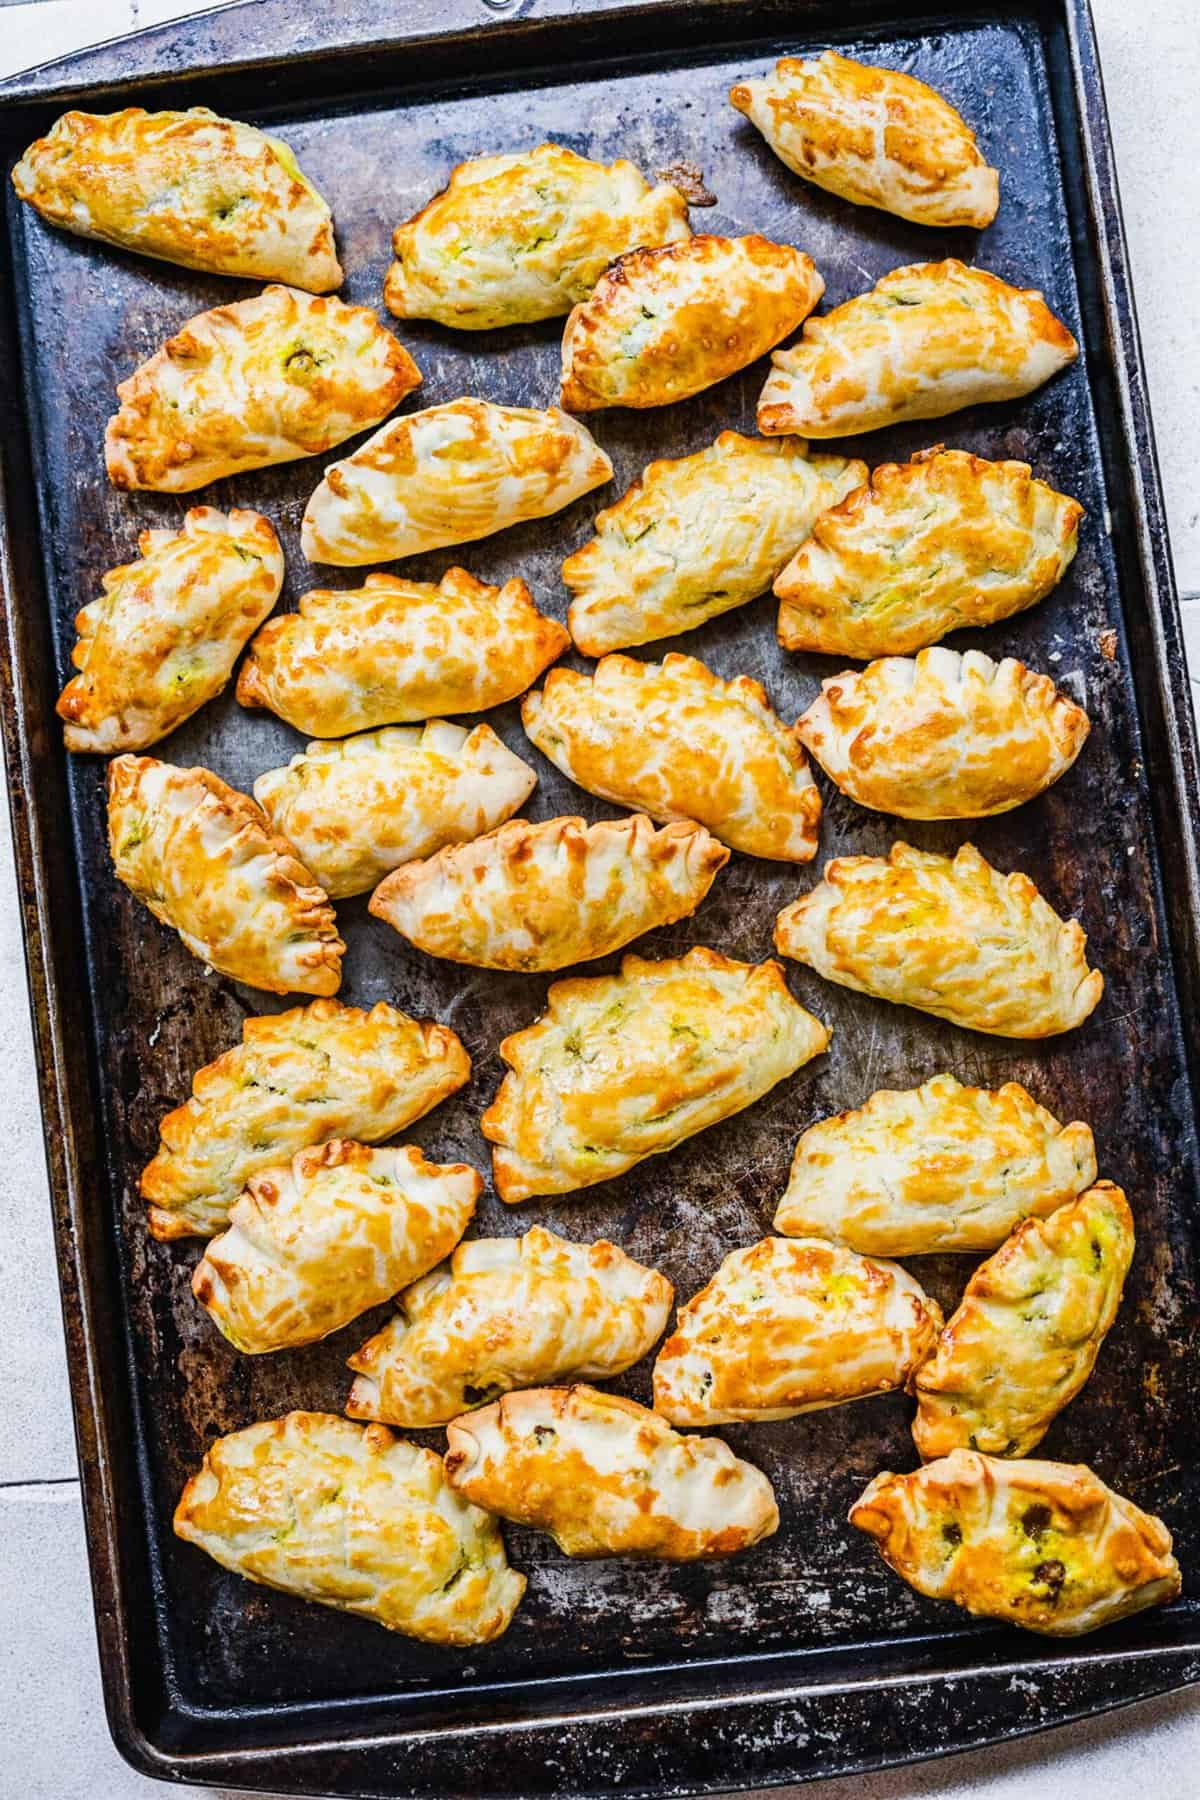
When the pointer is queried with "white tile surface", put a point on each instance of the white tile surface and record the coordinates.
(56, 1745)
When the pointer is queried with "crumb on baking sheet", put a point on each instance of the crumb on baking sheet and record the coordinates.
(1108, 645)
(688, 177)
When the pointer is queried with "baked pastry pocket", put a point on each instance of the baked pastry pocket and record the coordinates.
(297, 1078)
(788, 1326)
(507, 1313)
(1043, 1545)
(516, 238)
(949, 935)
(356, 1519)
(539, 897)
(163, 635)
(663, 324)
(605, 1477)
(621, 1067)
(927, 340)
(251, 384)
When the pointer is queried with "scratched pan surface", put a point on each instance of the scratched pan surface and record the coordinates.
(239, 1668)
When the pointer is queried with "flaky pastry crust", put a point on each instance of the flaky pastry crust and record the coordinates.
(873, 136)
(356, 1519)
(1027, 1330)
(258, 382)
(951, 936)
(163, 635)
(315, 1242)
(929, 546)
(934, 1168)
(297, 1078)
(926, 340)
(673, 740)
(395, 651)
(663, 324)
(185, 187)
(358, 807)
(513, 239)
(507, 1313)
(540, 897)
(787, 1327)
(606, 1477)
(449, 475)
(621, 1067)
(204, 860)
(943, 736)
(697, 536)
(1043, 1545)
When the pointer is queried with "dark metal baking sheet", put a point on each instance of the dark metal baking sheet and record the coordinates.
(805, 1657)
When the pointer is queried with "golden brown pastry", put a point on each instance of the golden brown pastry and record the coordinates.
(449, 475)
(663, 324)
(393, 651)
(539, 897)
(297, 1078)
(356, 1519)
(951, 936)
(938, 1167)
(513, 239)
(165, 632)
(621, 1067)
(927, 340)
(673, 740)
(202, 857)
(185, 187)
(944, 736)
(1027, 1331)
(786, 1327)
(873, 136)
(695, 537)
(315, 1242)
(257, 382)
(1042, 1545)
(928, 546)
(357, 808)
(507, 1313)
(606, 1477)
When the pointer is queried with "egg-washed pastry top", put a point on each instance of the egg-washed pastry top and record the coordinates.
(356, 1519)
(944, 736)
(539, 897)
(297, 1078)
(358, 807)
(673, 740)
(933, 1168)
(1027, 1331)
(260, 381)
(185, 187)
(787, 1327)
(698, 535)
(1043, 1545)
(621, 1067)
(932, 545)
(663, 324)
(449, 475)
(163, 635)
(204, 860)
(516, 238)
(505, 1313)
(874, 136)
(394, 651)
(316, 1241)
(926, 340)
(951, 936)
(605, 1477)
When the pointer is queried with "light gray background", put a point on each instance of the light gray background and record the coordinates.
(54, 1742)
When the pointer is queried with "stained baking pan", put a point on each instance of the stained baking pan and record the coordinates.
(805, 1657)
